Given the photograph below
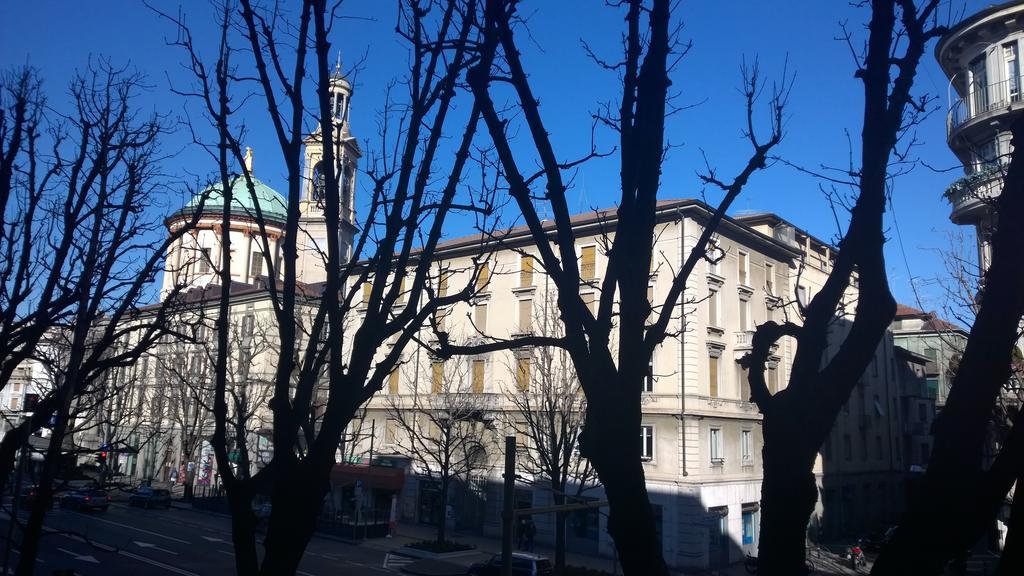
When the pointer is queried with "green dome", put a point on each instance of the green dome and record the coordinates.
(271, 203)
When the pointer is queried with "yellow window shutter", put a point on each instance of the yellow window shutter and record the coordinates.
(442, 283)
(523, 374)
(588, 261)
(437, 377)
(526, 271)
(367, 287)
(483, 277)
(525, 315)
(393, 382)
(478, 376)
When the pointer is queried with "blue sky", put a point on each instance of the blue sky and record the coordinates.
(59, 37)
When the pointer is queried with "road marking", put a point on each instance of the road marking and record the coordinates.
(156, 563)
(226, 552)
(212, 539)
(151, 533)
(153, 547)
(82, 557)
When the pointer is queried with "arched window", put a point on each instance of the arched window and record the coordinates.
(347, 177)
(319, 182)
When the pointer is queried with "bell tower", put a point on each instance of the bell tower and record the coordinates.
(312, 243)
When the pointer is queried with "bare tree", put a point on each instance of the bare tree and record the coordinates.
(446, 432)
(798, 418)
(928, 538)
(318, 387)
(76, 192)
(610, 347)
(549, 410)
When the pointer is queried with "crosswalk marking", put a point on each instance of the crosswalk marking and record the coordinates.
(397, 560)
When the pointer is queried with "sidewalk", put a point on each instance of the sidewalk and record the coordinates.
(485, 547)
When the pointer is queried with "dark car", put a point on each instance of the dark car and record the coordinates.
(147, 497)
(86, 500)
(28, 497)
(523, 564)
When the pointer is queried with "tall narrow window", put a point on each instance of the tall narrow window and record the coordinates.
(745, 450)
(744, 315)
(367, 288)
(523, 365)
(480, 317)
(744, 377)
(442, 283)
(801, 295)
(1012, 70)
(525, 271)
(744, 269)
(437, 377)
(393, 382)
(478, 376)
(256, 265)
(483, 276)
(588, 262)
(713, 308)
(773, 379)
(525, 315)
(769, 278)
(715, 445)
(647, 443)
(204, 260)
(977, 90)
(713, 376)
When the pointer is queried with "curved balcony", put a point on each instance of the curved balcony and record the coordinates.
(982, 103)
(971, 195)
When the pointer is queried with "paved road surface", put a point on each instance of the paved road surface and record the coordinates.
(132, 541)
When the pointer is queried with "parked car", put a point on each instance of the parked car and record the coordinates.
(86, 500)
(146, 497)
(28, 497)
(523, 564)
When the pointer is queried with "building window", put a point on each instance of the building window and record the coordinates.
(749, 523)
(744, 315)
(1012, 70)
(647, 443)
(745, 447)
(391, 431)
(977, 90)
(525, 316)
(714, 256)
(393, 382)
(480, 317)
(588, 301)
(256, 265)
(588, 263)
(649, 376)
(15, 404)
(715, 447)
(478, 376)
(773, 379)
(743, 265)
(932, 387)
(483, 276)
(204, 260)
(769, 278)
(367, 288)
(713, 307)
(523, 365)
(525, 271)
(713, 376)
(743, 375)
(801, 295)
(437, 377)
(442, 283)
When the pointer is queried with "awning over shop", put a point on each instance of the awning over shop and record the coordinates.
(379, 477)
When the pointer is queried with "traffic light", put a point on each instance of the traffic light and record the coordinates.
(101, 458)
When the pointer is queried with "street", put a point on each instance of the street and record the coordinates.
(134, 541)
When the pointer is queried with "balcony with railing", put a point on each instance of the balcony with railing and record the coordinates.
(984, 101)
(971, 195)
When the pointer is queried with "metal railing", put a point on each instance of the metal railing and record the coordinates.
(982, 99)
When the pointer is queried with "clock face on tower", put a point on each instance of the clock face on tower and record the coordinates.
(319, 182)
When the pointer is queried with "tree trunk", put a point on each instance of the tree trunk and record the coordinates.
(297, 499)
(442, 525)
(243, 531)
(611, 441)
(788, 496)
(560, 534)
